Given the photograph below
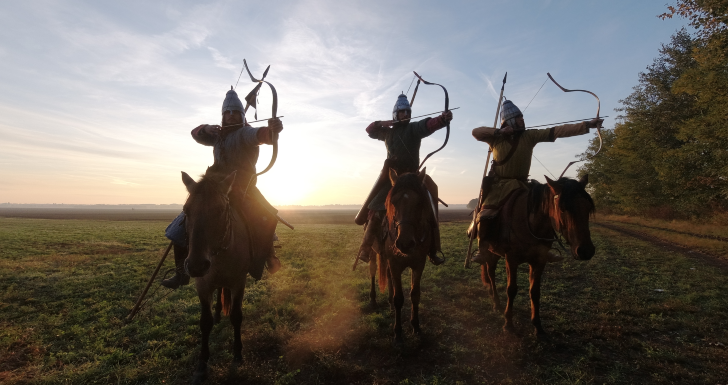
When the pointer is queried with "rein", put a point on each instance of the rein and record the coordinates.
(554, 228)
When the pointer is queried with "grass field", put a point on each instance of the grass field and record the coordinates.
(635, 313)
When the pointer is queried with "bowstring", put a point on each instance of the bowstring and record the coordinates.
(410, 86)
(524, 110)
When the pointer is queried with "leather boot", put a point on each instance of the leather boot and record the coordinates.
(370, 235)
(180, 276)
(477, 256)
(435, 259)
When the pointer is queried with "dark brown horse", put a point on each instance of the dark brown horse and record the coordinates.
(527, 233)
(219, 256)
(408, 239)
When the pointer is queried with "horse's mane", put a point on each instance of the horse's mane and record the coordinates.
(407, 181)
(540, 197)
(208, 185)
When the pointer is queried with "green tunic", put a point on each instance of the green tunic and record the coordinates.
(403, 150)
(513, 174)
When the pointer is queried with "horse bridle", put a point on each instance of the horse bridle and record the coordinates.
(554, 228)
(227, 235)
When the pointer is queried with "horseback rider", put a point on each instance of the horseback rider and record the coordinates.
(512, 148)
(402, 139)
(234, 149)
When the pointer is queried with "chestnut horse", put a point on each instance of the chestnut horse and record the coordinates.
(409, 235)
(561, 206)
(219, 256)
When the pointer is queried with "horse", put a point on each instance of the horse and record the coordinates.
(220, 256)
(562, 206)
(409, 222)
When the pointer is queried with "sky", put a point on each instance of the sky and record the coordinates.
(98, 98)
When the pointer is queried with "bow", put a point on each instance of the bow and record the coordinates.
(599, 126)
(447, 107)
(251, 101)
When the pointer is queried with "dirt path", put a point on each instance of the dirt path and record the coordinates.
(702, 256)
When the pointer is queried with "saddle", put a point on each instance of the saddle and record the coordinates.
(497, 222)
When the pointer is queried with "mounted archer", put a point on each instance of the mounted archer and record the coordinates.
(512, 147)
(235, 149)
(402, 139)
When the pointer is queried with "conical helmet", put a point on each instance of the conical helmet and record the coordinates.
(232, 102)
(509, 113)
(401, 104)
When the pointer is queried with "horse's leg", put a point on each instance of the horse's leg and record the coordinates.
(396, 279)
(236, 318)
(415, 297)
(390, 287)
(512, 290)
(218, 307)
(536, 272)
(206, 323)
(490, 266)
(373, 276)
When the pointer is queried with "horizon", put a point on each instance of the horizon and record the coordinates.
(98, 100)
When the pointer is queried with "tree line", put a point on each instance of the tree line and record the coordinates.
(667, 155)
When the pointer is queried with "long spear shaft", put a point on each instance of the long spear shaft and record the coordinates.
(474, 233)
(135, 309)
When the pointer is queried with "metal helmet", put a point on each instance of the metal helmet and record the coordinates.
(401, 104)
(509, 113)
(232, 102)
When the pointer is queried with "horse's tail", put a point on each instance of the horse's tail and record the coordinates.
(383, 278)
(227, 301)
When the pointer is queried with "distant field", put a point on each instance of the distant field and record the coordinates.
(310, 216)
(635, 313)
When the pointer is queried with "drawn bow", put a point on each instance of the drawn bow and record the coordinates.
(447, 107)
(251, 100)
(599, 126)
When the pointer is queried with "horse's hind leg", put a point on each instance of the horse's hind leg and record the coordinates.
(535, 275)
(512, 290)
(396, 282)
(236, 318)
(373, 276)
(390, 288)
(206, 323)
(489, 270)
(415, 297)
(218, 307)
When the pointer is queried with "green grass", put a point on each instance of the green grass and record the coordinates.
(67, 285)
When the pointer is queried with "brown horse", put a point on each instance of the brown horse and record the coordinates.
(409, 236)
(527, 233)
(219, 256)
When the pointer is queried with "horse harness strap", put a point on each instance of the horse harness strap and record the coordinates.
(227, 236)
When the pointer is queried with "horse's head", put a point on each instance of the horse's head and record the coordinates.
(405, 204)
(569, 209)
(207, 220)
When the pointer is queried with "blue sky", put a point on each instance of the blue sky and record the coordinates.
(98, 98)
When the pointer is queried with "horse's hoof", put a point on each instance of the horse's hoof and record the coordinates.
(508, 328)
(540, 334)
(238, 359)
(416, 331)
